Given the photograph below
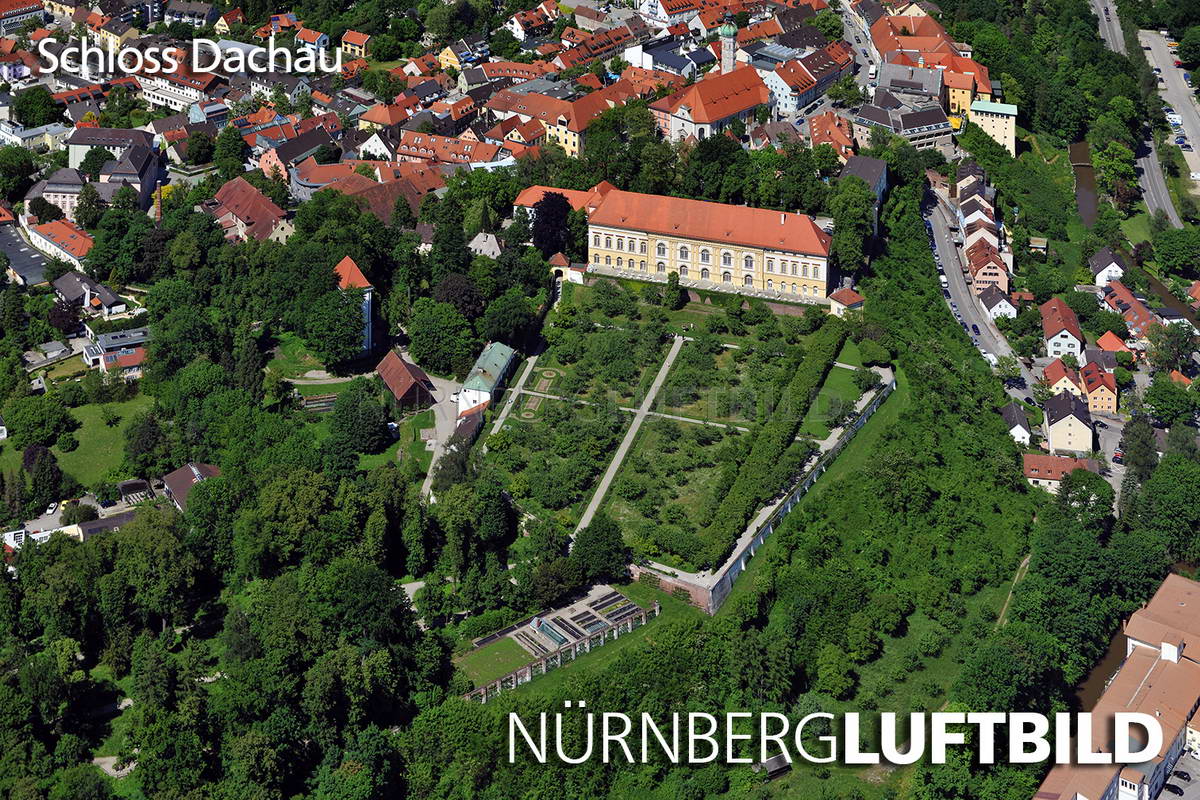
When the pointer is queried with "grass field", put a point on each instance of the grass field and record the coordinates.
(292, 358)
(839, 383)
(101, 447)
(849, 354)
(313, 389)
(493, 661)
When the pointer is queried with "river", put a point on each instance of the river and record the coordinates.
(1085, 181)
(1088, 692)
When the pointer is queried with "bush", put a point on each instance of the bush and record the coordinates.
(67, 442)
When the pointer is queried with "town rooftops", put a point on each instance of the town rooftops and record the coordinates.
(1065, 404)
(718, 97)
(1172, 615)
(992, 296)
(180, 482)
(74, 284)
(489, 367)
(1057, 316)
(532, 195)
(1112, 343)
(1014, 414)
(712, 222)
(847, 297)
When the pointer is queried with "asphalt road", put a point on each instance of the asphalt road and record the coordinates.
(23, 259)
(1175, 92)
(1150, 174)
(989, 337)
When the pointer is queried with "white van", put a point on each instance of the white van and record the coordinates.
(942, 280)
(872, 72)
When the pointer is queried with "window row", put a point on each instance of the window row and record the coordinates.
(634, 246)
(796, 267)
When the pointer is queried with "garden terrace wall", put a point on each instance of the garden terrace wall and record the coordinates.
(753, 484)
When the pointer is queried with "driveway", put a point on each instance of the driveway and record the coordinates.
(445, 420)
(25, 261)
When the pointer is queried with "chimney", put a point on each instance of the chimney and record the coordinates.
(782, 218)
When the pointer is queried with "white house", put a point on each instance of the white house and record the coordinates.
(486, 378)
(1060, 329)
(311, 40)
(1106, 266)
(996, 303)
(1018, 423)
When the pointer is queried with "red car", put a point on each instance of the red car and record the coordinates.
(1178, 63)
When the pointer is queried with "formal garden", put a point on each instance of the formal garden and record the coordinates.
(550, 462)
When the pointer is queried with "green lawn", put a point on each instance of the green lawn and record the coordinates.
(839, 383)
(849, 354)
(493, 661)
(314, 389)
(1137, 227)
(409, 440)
(293, 358)
(101, 447)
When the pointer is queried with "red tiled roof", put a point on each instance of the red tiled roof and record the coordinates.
(1057, 316)
(244, 202)
(1056, 370)
(718, 97)
(711, 222)
(847, 297)
(350, 276)
(401, 377)
(1112, 343)
(355, 38)
(66, 235)
(1052, 468)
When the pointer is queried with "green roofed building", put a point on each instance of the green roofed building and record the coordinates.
(486, 377)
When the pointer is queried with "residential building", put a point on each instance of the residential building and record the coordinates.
(179, 484)
(243, 212)
(709, 106)
(356, 45)
(915, 86)
(833, 130)
(1048, 471)
(15, 13)
(792, 87)
(1160, 678)
(408, 383)
(997, 120)
(1060, 329)
(669, 12)
(464, 53)
(1018, 423)
(61, 239)
(1109, 342)
(78, 289)
(1106, 266)
(996, 303)
(732, 247)
(486, 379)
(1138, 317)
(1058, 377)
(349, 276)
(190, 12)
(313, 41)
(125, 364)
(985, 264)
(226, 21)
(532, 23)
(122, 340)
(282, 157)
(873, 172)
(845, 299)
(1100, 389)
(114, 140)
(1068, 424)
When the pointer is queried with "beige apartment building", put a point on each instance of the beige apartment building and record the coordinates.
(735, 248)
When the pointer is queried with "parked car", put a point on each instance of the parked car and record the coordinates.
(1118, 457)
(1187, 148)
(1101, 424)
(975, 329)
(1173, 789)
(1030, 402)
(945, 294)
(51, 509)
(1182, 775)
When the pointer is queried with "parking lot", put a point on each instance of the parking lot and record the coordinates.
(1191, 790)
(23, 259)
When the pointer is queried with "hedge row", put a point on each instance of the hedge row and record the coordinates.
(755, 483)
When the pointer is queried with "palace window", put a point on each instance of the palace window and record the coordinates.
(704, 257)
(662, 249)
(748, 280)
(726, 277)
(748, 262)
(704, 274)
(726, 259)
(683, 254)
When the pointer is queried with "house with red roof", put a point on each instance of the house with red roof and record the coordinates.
(126, 363)
(833, 130)
(1111, 343)
(845, 299)
(1048, 471)
(243, 212)
(1060, 329)
(350, 277)
(62, 239)
(709, 106)
(356, 45)
(407, 382)
(1139, 319)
